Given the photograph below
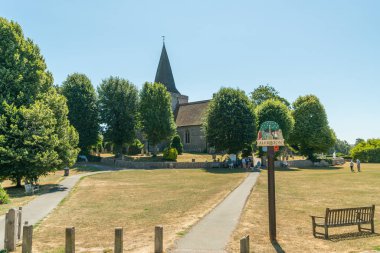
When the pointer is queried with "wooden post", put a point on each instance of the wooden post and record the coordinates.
(244, 244)
(271, 195)
(158, 239)
(19, 229)
(10, 237)
(70, 240)
(27, 239)
(118, 240)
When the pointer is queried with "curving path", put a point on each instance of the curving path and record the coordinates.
(41, 206)
(213, 232)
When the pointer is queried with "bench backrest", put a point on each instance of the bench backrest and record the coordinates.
(349, 215)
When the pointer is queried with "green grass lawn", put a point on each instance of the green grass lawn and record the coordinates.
(304, 192)
(136, 200)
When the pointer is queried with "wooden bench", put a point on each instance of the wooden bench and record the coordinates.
(345, 217)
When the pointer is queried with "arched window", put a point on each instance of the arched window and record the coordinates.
(187, 136)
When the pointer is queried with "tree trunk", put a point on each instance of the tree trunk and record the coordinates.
(18, 182)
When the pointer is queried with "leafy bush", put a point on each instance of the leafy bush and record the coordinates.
(170, 154)
(177, 144)
(135, 148)
(4, 198)
(94, 158)
(367, 151)
(247, 151)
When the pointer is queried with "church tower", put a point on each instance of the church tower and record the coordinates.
(164, 75)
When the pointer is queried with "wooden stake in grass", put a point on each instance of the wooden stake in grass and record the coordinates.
(19, 230)
(118, 240)
(10, 238)
(70, 240)
(158, 239)
(244, 244)
(27, 239)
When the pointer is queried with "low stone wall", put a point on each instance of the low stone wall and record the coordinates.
(160, 165)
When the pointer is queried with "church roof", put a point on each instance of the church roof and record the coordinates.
(191, 114)
(164, 73)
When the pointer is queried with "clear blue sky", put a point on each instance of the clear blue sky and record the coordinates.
(330, 48)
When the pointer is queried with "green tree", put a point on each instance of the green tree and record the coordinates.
(23, 72)
(341, 146)
(266, 92)
(177, 144)
(156, 116)
(311, 133)
(275, 110)
(36, 139)
(83, 109)
(230, 123)
(118, 105)
(367, 151)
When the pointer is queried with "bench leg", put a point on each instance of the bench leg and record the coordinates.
(360, 227)
(326, 232)
(313, 225)
(373, 227)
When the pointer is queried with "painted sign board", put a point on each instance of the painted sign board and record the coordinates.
(270, 135)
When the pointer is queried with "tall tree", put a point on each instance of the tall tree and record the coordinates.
(83, 109)
(266, 92)
(230, 123)
(36, 139)
(157, 120)
(23, 72)
(118, 104)
(274, 110)
(341, 146)
(311, 133)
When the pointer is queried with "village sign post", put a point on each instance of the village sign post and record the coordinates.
(270, 135)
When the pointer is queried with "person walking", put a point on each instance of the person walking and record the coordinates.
(352, 165)
(358, 164)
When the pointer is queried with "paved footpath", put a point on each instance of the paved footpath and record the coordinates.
(42, 205)
(213, 232)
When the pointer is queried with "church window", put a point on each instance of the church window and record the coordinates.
(187, 136)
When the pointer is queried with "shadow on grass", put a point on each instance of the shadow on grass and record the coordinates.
(225, 170)
(92, 167)
(19, 192)
(277, 247)
(349, 236)
(293, 169)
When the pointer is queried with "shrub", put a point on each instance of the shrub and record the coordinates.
(135, 148)
(368, 151)
(170, 154)
(247, 151)
(177, 144)
(4, 198)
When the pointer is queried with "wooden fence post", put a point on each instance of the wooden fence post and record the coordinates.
(118, 240)
(10, 237)
(70, 240)
(19, 229)
(27, 238)
(244, 244)
(158, 239)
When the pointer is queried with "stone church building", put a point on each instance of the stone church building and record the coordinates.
(188, 116)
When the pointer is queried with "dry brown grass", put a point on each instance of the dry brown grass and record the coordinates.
(304, 192)
(136, 200)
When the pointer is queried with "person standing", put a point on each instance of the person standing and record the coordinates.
(352, 165)
(358, 164)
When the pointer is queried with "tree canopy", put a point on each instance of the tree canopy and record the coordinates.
(275, 110)
(311, 133)
(118, 105)
(23, 72)
(230, 123)
(367, 151)
(266, 92)
(156, 116)
(83, 109)
(36, 139)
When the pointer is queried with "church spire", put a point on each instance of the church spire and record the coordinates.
(164, 73)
